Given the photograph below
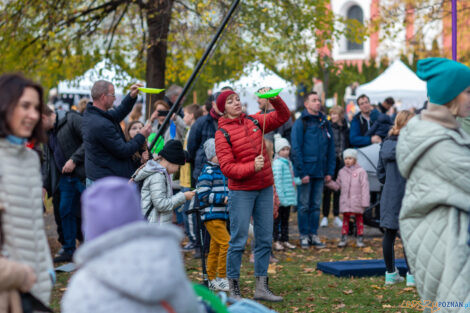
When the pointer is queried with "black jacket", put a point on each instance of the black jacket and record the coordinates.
(68, 131)
(341, 136)
(106, 151)
(203, 129)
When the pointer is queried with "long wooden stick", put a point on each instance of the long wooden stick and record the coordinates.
(264, 124)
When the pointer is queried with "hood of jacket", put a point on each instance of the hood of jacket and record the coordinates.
(150, 168)
(138, 260)
(388, 149)
(306, 115)
(351, 169)
(417, 137)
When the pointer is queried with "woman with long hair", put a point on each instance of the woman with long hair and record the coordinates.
(392, 195)
(142, 156)
(25, 241)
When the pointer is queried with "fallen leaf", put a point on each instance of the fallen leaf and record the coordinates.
(348, 292)
(339, 306)
(309, 270)
(387, 306)
(272, 269)
(367, 250)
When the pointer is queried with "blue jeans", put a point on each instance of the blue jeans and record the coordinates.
(308, 209)
(243, 205)
(70, 189)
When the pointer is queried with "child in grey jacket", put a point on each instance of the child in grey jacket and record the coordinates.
(157, 196)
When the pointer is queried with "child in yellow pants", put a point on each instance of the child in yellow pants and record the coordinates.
(213, 196)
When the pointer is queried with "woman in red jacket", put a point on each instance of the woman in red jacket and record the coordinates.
(250, 180)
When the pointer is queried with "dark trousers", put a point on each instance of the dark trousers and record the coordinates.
(282, 223)
(327, 202)
(71, 189)
(388, 246)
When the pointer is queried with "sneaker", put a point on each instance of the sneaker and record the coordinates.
(360, 242)
(213, 284)
(393, 278)
(315, 241)
(288, 245)
(277, 246)
(410, 280)
(324, 222)
(337, 222)
(343, 242)
(222, 284)
(63, 257)
(60, 252)
(304, 243)
(189, 247)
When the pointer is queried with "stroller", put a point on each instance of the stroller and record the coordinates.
(368, 159)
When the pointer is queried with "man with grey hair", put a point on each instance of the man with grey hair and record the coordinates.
(106, 151)
(172, 94)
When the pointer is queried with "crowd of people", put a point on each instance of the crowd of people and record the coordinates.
(115, 198)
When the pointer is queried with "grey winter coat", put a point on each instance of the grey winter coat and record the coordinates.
(434, 217)
(157, 192)
(394, 184)
(134, 268)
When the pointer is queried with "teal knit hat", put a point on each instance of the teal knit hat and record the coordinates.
(445, 78)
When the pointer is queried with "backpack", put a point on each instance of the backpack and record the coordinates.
(226, 134)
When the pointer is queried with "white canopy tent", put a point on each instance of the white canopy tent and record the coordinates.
(256, 76)
(399, 82)
(102, 70)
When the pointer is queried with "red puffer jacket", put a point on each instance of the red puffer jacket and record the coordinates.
(237, 162)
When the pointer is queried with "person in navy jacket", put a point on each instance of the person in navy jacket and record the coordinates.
(313, 152)
(362, 122)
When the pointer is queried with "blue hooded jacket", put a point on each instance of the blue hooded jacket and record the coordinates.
(313, 148)
(359, 128)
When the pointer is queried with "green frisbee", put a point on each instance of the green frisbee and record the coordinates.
(270, 94)
(150, 90)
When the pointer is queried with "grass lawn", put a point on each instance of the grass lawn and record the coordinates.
(307, 290)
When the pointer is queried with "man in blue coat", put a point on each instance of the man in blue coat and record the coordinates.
(362, 122)
(314, 162)
(106, 151)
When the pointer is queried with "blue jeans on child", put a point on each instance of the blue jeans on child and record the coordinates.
(71, 189)
(243, 205)
(308, 209)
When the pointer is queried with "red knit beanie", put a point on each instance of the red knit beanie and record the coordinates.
(222, 98)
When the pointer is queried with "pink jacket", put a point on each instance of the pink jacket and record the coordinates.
(354, 186)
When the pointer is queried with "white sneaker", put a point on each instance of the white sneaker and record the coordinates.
(324, 222)
(222, 284)
(278, 246)
(213, 284)
(288, 245)
(337, 222)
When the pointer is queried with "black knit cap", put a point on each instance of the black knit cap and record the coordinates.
(173, 152)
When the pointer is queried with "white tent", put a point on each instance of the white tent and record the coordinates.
(81, 85)
(399, 82)
(256, 76)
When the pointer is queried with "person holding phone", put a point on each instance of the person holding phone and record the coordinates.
(175, 130)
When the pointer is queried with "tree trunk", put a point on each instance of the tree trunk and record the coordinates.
(158, 23)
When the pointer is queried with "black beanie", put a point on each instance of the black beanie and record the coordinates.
(173, 152)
